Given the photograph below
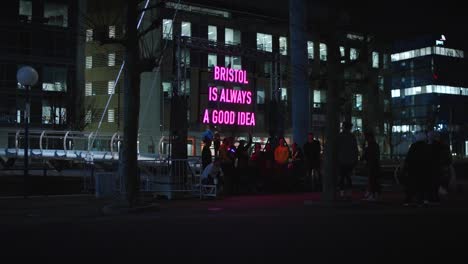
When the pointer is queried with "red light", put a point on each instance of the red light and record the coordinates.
(435, 76)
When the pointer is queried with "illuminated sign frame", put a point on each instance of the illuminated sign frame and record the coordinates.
(229, 96)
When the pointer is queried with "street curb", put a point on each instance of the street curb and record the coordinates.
(119, 210)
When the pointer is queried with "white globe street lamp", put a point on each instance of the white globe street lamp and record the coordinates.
(27, 76)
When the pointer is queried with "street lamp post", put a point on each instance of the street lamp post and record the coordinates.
(27, 77)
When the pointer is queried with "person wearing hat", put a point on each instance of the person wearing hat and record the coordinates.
(347, 158)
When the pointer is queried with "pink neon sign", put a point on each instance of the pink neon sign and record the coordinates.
(224, 117)
(230, 75)
(230, 96)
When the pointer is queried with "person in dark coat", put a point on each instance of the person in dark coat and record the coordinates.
(417, 167)
(347, 158)
(440, 160)
(312, 156)
(268, 158)
(371, 156)
(206, 153)
(255, 168)
(242, 155)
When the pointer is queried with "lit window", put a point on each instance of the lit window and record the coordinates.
(89, 35)
(112, 32)
(49, 116)
(466, 148)
(358, 102)
(25, 10)
(353, 54)
(88, 89)
(167, 29)
(111, 115)
(357, 123)
(88, 117)
(54, 79)
(396, 93)
(260, 96)
(212, 60)
(89, 62)
(212, 33)
(111, 59)
(60, 115)
(284, 94)
(323, 52)
(310, 50)
(232, 36)
(319, 98)
(56, 14)
(264, 42)
(283, 45)
(111, 87)
(46, 113)
(375, 59)
(342, 54)
(167, 89)
(355, 37)
(233, 62)
(186, 30)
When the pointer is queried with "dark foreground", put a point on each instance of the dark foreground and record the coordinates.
(290, 228)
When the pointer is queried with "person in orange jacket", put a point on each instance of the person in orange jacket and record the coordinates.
(281, 162)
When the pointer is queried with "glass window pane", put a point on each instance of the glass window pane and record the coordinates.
(283, 45)
(264, 42)
(56, 14)
(25, 10)
(353, 54)
(310, 50)
(167, 89)
(54, 79)
(260, 96)
(88, 89)
(89, 62)
(167, 29)
(212, 60)
(111, 115)
(212, 33)
(111, 59)
(323, 52)
(375, 59)
(111, 32)
(89, 35)
(186, 30)
(110, 87)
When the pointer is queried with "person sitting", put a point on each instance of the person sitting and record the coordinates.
(212, 174)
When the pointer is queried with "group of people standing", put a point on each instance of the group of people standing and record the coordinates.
(263, 169)
(284, 168)
(426, 169)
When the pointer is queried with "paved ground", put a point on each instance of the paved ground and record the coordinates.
(289, 228)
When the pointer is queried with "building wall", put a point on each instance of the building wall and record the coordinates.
(42, 34)
(199, 75)
(429, 92)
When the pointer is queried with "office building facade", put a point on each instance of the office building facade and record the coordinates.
(429, 92)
